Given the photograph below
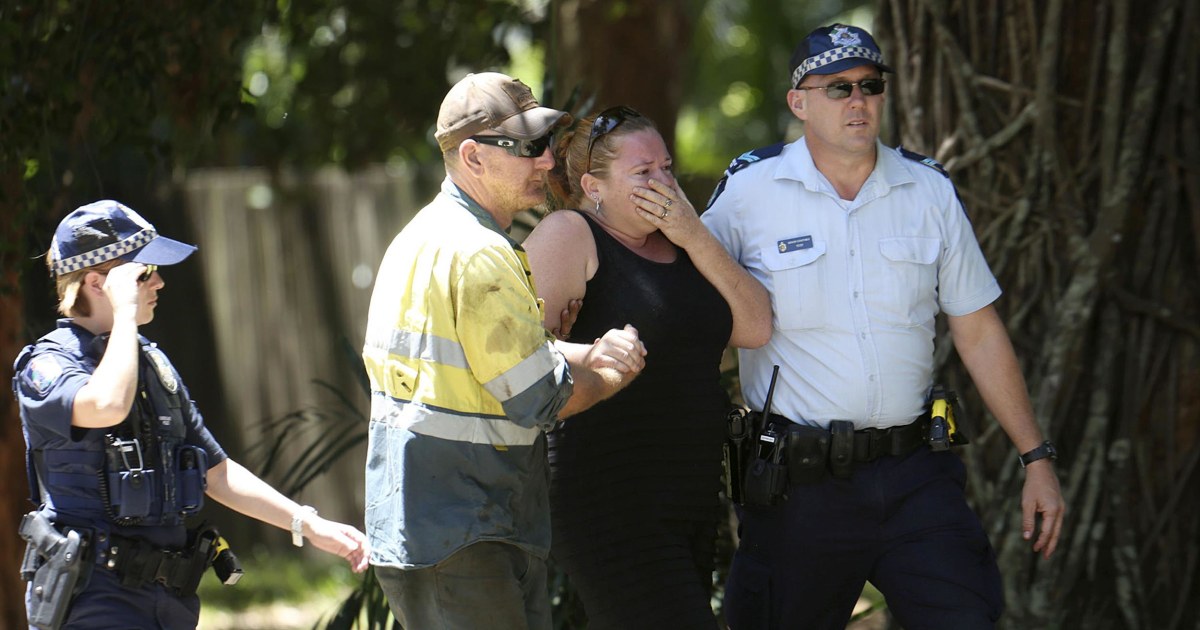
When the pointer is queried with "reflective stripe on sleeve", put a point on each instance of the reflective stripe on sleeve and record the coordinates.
(449, 426)
(413, 345)
(523, 375)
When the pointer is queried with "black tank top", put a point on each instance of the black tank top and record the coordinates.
(682, 319)
(635, 480)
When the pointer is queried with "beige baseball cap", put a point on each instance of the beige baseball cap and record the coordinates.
(495, 101)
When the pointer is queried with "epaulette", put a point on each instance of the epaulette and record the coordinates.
(927, 161)
(742, 161)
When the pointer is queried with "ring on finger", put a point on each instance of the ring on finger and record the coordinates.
(669, 202)
(664, 214)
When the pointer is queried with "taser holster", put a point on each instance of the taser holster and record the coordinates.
(54, 563)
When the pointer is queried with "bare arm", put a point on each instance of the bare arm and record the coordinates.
(562, 256)
(239, 489)
(603, 368)
(667, 208)
(983, 344)
(107, 397)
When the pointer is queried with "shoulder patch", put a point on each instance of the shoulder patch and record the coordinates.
(742, 161)
(43, 372)
(927, 161)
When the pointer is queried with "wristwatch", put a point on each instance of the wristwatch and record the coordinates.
(1046, 449)
(298, 524)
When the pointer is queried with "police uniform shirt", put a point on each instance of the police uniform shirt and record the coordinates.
(854, 285)
(61, 363)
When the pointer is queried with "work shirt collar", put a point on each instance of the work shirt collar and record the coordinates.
(451, 190)
(890, 171)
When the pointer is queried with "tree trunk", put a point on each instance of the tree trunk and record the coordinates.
(644, 69)
(14, 492)
(1070, 129)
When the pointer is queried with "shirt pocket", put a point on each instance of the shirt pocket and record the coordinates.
(910, 279)
(797, 287)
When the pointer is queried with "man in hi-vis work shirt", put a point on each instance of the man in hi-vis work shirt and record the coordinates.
(465, 380)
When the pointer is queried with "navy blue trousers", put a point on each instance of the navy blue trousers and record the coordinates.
(105, 604)
(901, 523)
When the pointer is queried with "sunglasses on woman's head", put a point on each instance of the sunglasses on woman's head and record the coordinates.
(519, 148)
(605, 123)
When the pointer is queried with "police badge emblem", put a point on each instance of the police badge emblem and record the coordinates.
(166, 375)
(842, 36)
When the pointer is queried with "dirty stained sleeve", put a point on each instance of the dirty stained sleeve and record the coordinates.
(506, 347)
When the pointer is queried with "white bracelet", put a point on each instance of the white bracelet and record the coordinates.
(298, 524)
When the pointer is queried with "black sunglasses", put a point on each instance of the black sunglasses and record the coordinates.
(605, 123)
(519, 148)
(842, 89)
(142, 277)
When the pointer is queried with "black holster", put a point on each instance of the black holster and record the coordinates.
(766, 478)
(841, 448)
(807, 451)
(57, 564)
(739, 435)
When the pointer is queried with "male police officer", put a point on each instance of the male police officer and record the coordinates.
(860, 246)
(465, 380)
(118, 454)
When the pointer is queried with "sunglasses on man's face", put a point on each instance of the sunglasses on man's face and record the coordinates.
(605, 123)
(145, 275)
(519, 148)
(842, 89)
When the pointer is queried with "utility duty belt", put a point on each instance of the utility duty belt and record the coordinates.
(766, 453)
(138, 562)
(59, 561)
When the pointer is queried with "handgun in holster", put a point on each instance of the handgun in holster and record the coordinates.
(943, 427)
(739, 435)
(56, 564)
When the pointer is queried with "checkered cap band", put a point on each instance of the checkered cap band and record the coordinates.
(832, 55)
(104, 254)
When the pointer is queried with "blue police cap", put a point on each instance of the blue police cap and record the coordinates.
(107, 230)
(832, 49)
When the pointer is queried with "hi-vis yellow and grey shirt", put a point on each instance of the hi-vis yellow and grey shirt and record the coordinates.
(464, 381)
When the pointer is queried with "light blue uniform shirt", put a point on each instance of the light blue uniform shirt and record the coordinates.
(855, 285)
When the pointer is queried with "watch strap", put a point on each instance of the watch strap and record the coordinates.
(1042, 451)
(298, 523)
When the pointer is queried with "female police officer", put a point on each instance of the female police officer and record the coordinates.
(117, 452)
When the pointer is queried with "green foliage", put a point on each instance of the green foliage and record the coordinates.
(157, 75)
(319, 81)
(328, 436)
(353, 82)
(738, 75)
(278, 577)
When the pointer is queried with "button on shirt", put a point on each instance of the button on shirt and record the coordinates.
(855, 285)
